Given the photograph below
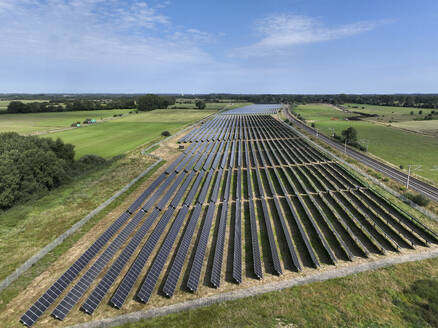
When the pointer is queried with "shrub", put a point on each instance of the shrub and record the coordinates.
(419, 199)
(165, 133)
(401, 167)
(313, 125)
(91, 160)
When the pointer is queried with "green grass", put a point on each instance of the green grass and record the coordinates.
(394, 145)
(403, 295)
(399, 117)
(426, 127)
(31, 226)
(42, 122)
(119, 136)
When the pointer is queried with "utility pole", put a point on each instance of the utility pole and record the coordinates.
(365, 141)
(333, 131)
(345, 146)
(411, 167)
(316, 129)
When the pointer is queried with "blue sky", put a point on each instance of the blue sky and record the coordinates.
(295, 46)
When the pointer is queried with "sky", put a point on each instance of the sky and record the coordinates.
(227, 46)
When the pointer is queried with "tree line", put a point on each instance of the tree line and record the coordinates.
(17, 106)
(143, 103)
(404, 100)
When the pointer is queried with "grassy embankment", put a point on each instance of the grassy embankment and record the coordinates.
(393, 145)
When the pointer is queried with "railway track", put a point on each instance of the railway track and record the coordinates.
(415, 184)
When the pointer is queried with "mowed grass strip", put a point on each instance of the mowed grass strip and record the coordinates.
(403, 295)
(42, 122)
(116, 137)
(393, 145)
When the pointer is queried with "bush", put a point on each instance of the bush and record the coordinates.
(401, 167)
(30, 165)
(165, 133)
(419, 199)
(200, 104)
(91, 160)
(313, 125)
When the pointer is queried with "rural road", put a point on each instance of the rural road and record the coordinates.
(414, 184)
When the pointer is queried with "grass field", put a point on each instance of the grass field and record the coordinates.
(403, 295)
(42, 122)
(119, 136)
(387, 113)
(426, 127)
(400, 117)
(394, 145)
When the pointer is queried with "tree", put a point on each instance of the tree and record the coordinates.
(29, 165)
(350, 135)
(200, 104)
(17, 107)
(150, 102)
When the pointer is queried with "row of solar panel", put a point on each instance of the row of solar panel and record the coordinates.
(239, 127)
(207, 168)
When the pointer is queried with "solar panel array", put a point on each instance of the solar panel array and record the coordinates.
(242, 167)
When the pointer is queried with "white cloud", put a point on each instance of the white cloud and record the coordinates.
(95, 31)
(278, 33)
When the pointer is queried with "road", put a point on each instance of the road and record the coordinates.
(414, 184)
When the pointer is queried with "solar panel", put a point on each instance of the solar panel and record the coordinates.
(41, 305)
(82, 285)
(116, 268)
(219, 248)
(195, 271)
(131, 277)
(152, 276)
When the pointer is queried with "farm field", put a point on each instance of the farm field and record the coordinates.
(248, 200)
(390, 113)
(425, 127)
(42, 122)
(393, 145)
(400, 117)
(116, 137)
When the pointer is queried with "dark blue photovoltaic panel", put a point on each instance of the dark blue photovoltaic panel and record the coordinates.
(41, 305)
(107, 281)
